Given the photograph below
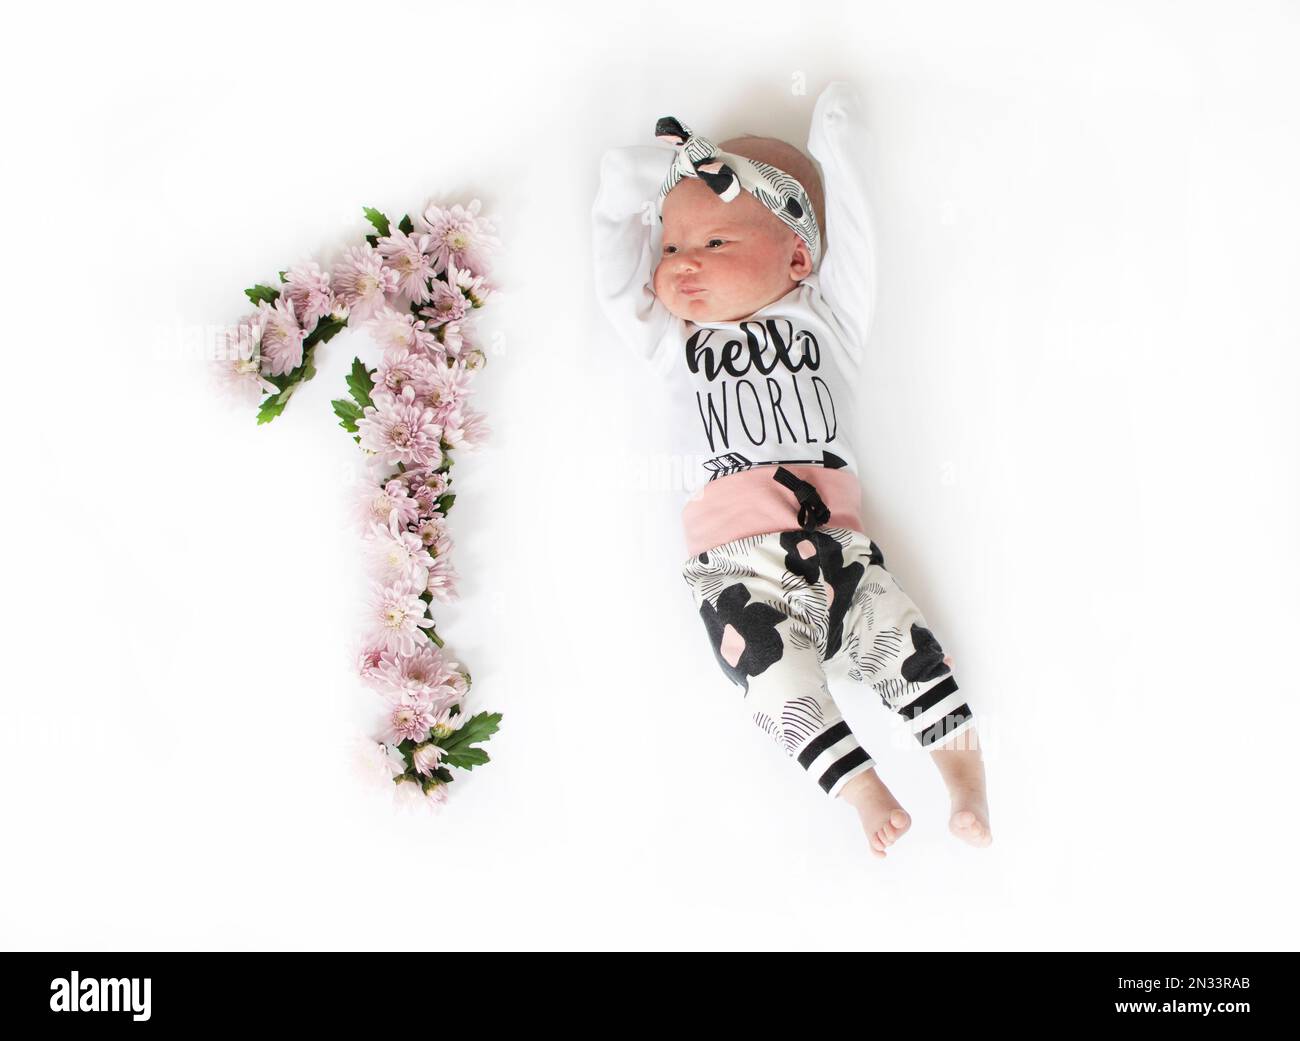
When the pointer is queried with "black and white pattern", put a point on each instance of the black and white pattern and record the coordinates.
(727, 174)
(778, 607)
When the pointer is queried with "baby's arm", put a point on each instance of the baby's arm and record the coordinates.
(838, 141)
(621, 244)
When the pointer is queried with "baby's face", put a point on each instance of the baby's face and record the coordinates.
(722, 261)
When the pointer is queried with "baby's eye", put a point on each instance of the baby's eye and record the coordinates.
(670, 249)
(712, 241)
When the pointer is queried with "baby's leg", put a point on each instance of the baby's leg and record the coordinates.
(959, 762)
(764, 642)
(891, 647)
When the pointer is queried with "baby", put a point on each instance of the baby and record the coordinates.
(709, 262)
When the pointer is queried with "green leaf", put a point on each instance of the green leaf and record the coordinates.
(377, 219)
(272, 406)
(443, 774)
(405, 225)
(361, 383)
(262, 292)
(478, 727)
(466, 759)
(348, 414)
(326, 329)
(282, 278)
(445, 502)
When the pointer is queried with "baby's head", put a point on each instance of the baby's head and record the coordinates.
(722, 261)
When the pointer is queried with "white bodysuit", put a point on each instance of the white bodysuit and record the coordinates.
(777, 387)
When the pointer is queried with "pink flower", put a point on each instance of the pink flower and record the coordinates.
(378, 762)
(282, 338)
(308, 289)
(406, 256)
(392, 329)
(399, 368)
(393, 501)
(433, 533)
(398, 554)
(424, 672)
(397, 617)
(459, 236)
(402, 430)
(409, 718)
(473, 286)
(368, 662)
(442, 580)
(238, 367)
(426, 758)
(410, 797)
(448, 304)
(362, 283)
(449, 386)
(466, 428)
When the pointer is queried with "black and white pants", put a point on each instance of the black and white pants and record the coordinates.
(778, 607)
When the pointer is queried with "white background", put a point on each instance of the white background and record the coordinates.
(1079, 455)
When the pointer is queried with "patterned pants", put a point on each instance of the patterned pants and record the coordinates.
(778, 607)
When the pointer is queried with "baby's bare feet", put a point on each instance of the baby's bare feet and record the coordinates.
(970, 816)
(882, 818)
(962, 768)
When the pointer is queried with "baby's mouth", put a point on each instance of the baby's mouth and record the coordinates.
(689, 290)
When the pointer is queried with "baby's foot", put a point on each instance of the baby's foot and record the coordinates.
(882, 818)
(970, 816)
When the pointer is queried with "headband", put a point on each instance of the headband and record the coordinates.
(727, 174)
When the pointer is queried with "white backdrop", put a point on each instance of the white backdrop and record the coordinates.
(1079, 443)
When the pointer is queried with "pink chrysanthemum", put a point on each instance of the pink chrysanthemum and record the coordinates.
(368, 663)
(398, 617)
(452, 339)
(475, 287)
(466, 428)
(443, 579)
(282, 338)
(448, 388)
(377, 762)
(392, 329)
(426, 758)
(446, 304)
(362, 283)
(433, 533)
(399, 368)
(410, 797)
(424, 672)
(459, 236)
(398, 554)
(238, 367)
(402, 430)
(407, 256)
(308, 288)
(409, 718)
(383, 505)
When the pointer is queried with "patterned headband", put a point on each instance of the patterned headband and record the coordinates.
(727, 174)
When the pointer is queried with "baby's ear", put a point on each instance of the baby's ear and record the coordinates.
(801, 262)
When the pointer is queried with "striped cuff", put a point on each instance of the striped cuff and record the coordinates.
(834, 757)
(938, 714)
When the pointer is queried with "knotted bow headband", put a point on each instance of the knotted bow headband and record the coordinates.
(727, 174)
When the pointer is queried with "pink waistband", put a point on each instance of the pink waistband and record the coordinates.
(752, 503)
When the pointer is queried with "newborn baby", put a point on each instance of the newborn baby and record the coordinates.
(709, 263)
